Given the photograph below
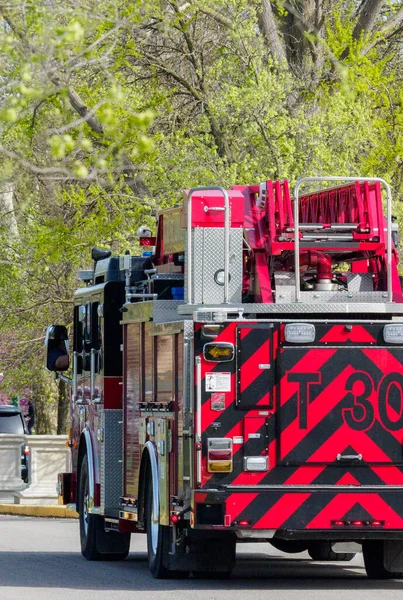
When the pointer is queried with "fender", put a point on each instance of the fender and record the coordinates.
(92, 458)
(152, 452)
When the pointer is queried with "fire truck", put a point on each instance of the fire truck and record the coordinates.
(242, 380)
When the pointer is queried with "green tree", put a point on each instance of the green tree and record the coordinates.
(109, 109)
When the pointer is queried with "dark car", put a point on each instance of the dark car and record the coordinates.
(12, 421)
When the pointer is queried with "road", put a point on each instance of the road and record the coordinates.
(39, 560)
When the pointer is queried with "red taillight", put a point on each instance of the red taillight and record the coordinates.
(26, 451)
(357, 523)
(243, 523)
(174, 518)
(220, 455)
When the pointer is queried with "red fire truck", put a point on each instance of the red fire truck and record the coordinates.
(242, 380)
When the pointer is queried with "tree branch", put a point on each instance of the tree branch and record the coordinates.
(82, 109)
(367, 17)
(216, 15)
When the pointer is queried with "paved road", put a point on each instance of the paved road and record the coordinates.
(39, 560)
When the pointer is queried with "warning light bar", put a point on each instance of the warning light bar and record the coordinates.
(357, 523)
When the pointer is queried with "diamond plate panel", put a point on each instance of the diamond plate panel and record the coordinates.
(360, 289)
(169, 276)
(360, 282)
(285, 283)
(111, 460)
(299, 307)
(208, 258)
(342, 297)
(166, 311)
(197, 266)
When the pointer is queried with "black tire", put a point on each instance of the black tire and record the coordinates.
(96, 543)
(373, 553)
(158, 541)
(323, 551)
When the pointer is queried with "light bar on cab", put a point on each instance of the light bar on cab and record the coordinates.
(299, 333)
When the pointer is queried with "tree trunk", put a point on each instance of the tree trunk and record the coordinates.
(269, 28)
(63, 409)
(7, 212)
(44, 395)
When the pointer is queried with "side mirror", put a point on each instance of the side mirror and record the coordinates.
(57, 348)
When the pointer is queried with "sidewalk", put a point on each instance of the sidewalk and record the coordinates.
(56, 511)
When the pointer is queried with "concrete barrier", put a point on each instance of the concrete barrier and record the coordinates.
(49, 456)
(11, 447)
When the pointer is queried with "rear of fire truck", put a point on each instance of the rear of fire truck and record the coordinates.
(262, 382)
(299, 388)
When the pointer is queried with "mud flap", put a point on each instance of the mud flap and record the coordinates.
(201, 554)
(111, 542)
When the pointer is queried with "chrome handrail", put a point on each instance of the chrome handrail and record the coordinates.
(388, 219)
(189, 239)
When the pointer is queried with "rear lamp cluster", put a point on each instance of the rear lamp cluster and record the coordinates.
(219, 455)
(358, 523)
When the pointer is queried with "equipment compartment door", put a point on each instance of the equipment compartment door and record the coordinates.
(255, 367)
(341, 406)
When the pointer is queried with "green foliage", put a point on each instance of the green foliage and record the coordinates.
(109, 109)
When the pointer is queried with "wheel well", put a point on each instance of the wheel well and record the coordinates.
(145, 474)
(81, 453)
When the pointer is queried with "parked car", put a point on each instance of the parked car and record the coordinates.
(12, 421)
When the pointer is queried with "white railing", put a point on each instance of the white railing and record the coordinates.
(11, 447)
(48, 456)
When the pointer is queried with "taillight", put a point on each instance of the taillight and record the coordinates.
(26, 450)
(358, 523)
(219, 455)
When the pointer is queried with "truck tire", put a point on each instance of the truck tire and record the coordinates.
(158, 540)
(323, 551)
(373, 554)
(96, 543)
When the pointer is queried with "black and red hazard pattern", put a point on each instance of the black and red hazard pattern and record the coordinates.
(306, 509)
(340, 396)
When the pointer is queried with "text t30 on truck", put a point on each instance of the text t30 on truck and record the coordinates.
(243, 381)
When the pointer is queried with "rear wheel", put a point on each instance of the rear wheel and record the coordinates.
(323, 551)
(374, 561)
(96, 543)
(158, 540)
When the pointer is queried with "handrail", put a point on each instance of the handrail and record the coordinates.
(75, 375)
(388, 219)
(189, 239)
(94, 353)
